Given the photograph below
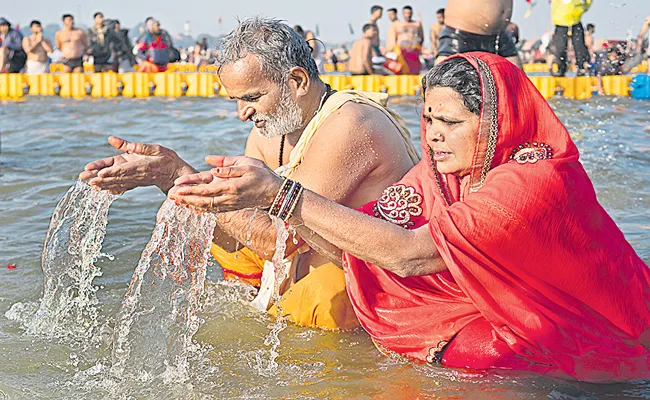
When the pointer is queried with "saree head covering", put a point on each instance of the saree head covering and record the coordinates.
(539, 276)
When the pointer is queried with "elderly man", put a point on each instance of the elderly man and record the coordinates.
(472, 25)
(346, 146)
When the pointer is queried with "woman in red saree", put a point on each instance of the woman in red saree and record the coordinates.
(492, 252)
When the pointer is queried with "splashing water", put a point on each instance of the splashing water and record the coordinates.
(153, 331)
(280, 271)
(73, 244)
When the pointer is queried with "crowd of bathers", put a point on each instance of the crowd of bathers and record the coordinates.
(404, 49)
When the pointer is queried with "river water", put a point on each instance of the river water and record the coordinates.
(47, 141)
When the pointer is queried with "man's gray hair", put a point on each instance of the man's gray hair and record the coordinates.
(278, 47)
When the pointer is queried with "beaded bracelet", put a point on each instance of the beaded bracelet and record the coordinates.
(287, 199)
(279, 198)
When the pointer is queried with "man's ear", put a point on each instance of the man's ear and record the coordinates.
(299, 81)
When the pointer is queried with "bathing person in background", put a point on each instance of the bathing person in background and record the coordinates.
(392, 15)
(608, 61)
(148, 25)
(316, 47)
(345, 145)
(513, 32)
(642, 45)
(436, 28)
(37, 47)
(589, 40)
(154, 50)
(100, 38)
(473, 25)
(405, 39)
(376, 13)
(360, 62)
(566, 16)
(123, 58)
(73, 44)
(492, 253)
(12, 55)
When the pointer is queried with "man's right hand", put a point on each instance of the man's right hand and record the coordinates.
(139, 165)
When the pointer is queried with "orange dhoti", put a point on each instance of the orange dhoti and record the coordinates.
(319, 300)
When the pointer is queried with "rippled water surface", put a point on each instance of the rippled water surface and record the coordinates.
(47, 141)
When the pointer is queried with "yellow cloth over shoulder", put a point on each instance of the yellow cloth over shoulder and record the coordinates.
(336, 101)
(568, 12)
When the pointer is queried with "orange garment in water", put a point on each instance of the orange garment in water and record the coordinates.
(319, 300)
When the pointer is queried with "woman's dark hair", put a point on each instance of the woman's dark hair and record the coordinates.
(460, 75)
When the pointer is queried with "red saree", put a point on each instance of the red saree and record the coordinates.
(539, 276)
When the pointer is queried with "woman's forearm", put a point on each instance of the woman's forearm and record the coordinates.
(401, 251)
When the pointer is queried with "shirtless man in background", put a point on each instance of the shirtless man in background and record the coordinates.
(376, 13)
(405, 38)
(361, 53)
(407, 33)
(37, 47)
(436, 28)
(73, 43)
(473, 25)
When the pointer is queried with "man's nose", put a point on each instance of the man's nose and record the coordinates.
(245, 112)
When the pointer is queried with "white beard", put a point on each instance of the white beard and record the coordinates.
(286, 119)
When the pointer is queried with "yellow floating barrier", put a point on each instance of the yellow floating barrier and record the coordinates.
(110, 84)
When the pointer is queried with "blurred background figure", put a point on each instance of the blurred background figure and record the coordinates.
(436, 28)
(154, 50)
(73, 44)
(376, 13)
(100, 38)
(566, 15)
(37, 49)
(317, 49)
(12, 55)
(360, 62)
(123, 58)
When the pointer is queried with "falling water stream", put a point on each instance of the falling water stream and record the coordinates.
(68, 308)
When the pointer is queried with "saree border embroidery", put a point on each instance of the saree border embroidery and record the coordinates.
(531, 153)
(436, 353)
(488, 129)
(398, 204)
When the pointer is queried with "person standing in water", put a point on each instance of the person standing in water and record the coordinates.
(346, 146)
(314, 44)
(360, 62)
(566, 16)
(436, 29)
(12, 55)
(472, 25)
(405, 39)
(100, 38)
(37, 47)
(73, 43)
(589, 40)
(376, 13)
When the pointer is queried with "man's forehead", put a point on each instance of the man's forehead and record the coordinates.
(243, 76)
